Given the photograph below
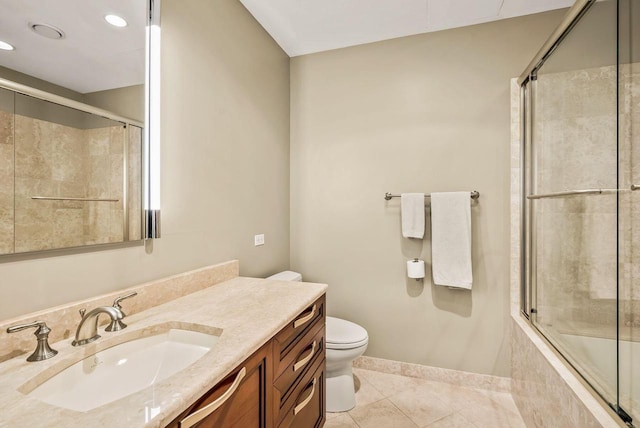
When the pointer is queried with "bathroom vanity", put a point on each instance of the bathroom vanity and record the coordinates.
(281, 385)
(265, 366)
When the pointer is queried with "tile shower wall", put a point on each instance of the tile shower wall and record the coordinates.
(629, 135)
(134, 195)
(6, 182)
(577, 245)
(103, 221)
(63, 161)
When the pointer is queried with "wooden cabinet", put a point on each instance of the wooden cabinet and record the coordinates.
(304, 407)
(240, 400)
(282, 385)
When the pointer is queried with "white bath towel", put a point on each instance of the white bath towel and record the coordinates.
(451, 239)
(412, 212)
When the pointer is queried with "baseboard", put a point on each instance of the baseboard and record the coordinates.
(437, 374)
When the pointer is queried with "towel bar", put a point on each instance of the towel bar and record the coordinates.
(474, 195)
(62, 198)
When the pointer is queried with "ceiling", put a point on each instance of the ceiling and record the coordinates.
(93, 56)
(96, 56)
(306, 26)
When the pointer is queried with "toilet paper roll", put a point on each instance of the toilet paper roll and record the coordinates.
(415, 269)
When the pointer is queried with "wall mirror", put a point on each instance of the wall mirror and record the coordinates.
(73, 123)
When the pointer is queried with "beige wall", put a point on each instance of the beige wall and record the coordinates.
(127, 102)
(225, 165)
(25, 79)
(425, 113)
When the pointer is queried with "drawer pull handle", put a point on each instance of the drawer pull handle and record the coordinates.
(304, 402)
(196, 417)
(303, 362)
(303, 320)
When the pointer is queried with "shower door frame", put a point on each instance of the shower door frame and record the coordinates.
(527, 220)
(526, 82)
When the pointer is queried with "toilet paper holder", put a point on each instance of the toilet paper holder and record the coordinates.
(415, 269)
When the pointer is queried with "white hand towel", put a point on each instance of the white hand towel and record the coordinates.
(451, 239)
(412, 212)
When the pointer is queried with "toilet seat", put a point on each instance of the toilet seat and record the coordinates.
(343, 334)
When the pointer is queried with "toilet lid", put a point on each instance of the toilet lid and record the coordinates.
(343, 334)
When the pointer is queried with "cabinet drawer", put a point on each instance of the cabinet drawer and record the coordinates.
(305, 407)
(295, 364)
(238, 401)
(288, 337)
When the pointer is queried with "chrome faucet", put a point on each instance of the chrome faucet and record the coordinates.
(87, 331)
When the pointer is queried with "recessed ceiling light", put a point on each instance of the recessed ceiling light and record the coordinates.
(115, 20)
(48, 31)
(6, 46)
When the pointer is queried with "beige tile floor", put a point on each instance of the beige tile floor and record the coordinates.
(391, 401)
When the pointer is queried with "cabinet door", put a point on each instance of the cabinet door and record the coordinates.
(240, 400)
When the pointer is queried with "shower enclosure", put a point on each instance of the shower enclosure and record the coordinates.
(581, 218)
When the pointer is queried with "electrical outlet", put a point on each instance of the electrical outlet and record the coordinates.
(258, 240)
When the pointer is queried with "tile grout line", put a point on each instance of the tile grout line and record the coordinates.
(488, 394)
(403, 413)
(437, 420)
(382, 394)
(496, 400)
(467, 419)
(354, 421)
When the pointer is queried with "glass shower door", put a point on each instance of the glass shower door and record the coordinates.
(573, 198)
(629, 207)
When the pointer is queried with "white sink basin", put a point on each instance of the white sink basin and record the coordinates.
(123, 369)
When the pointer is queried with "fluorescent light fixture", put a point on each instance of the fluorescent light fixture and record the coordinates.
(154, 119)
(115, 20)
(6, 46)
(152, 132)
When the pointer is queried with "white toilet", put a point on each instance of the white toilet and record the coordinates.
(345, 341)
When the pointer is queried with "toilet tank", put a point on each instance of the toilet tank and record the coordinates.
(287, 275)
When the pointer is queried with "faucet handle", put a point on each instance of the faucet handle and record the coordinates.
(43, 351)
(116, 303)
(82, 312)
(20, 327)
(117, 325)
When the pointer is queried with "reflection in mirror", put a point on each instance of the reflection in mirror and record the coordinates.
(72, 108)
(67, 47)
(69, 177)
(6, 172)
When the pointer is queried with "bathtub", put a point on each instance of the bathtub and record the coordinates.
(596, 358)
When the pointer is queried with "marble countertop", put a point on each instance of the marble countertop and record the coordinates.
(248, 311)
